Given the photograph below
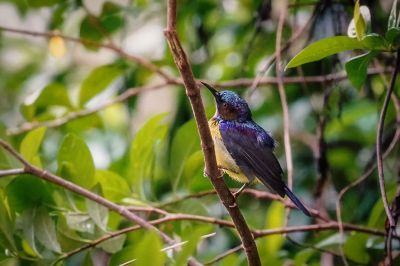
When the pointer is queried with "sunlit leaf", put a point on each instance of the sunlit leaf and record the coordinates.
(184, 143)
(359, 21)
(189, 248)
(97, 81)
(148, 251)
(75, 162)
(143, 149)
(323, 48)
(275, 218)
(114, 187)
(30, 145)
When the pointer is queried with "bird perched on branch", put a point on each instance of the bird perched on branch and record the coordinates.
(243, 149)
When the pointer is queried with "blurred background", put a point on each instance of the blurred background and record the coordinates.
(150, 141)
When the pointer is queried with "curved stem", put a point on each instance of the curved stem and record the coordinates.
(379, 135)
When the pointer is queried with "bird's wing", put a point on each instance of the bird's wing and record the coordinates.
(250, 147)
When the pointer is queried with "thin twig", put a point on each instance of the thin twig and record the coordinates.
(258, 194)
(9, 172)
(83, 113)
(324, 79)
(305, 228)
(358, 181)
(207, 144)
(135, 58)
(284, 103)
(381, 124)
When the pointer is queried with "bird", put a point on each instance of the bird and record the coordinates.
(243, 149)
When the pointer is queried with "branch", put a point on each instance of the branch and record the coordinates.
(207, 144)
(123, 211)
(135, 58)
(82, 113)
(361, 179)
(258, 194)
(9, 172)
(303, 228)
(381, 123)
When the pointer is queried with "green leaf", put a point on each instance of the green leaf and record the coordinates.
(54, 94)
(81, 222)
(357, 67)
(98, 213)
(114, 187)
(275, 218)
(75, 162)
(6, 225)
(97, 81)
(303, 256)
(393, 36)
(393, 16)
(355, 248)
(359, 21)
(20, 193)
(114, 244)
(143, 150)
(27, 226)
(30, 145)
(184, 144)
(45, 230)
(189, 248)
(323, 48)
(374, 41)
(97, 28)
(331, 241)
(148, 251)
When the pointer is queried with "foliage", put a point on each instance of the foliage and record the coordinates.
(146, 154)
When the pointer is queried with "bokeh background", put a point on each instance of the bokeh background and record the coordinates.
(145, 150)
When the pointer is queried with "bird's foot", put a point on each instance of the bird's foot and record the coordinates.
(239, 191)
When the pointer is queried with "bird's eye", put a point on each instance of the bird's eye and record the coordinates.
(225, 105)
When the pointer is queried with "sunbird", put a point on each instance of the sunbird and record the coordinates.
(243, 149)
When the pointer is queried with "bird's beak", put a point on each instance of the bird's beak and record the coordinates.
(211, 89)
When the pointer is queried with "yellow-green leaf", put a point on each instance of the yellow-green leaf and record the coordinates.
(30, 145)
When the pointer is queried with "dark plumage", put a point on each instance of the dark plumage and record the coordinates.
(244, 150)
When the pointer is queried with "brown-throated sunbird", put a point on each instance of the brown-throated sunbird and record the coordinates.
(243, 149)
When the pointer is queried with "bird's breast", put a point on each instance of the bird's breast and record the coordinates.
(224, 159)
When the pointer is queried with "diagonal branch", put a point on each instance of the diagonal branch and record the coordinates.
(83, 113)
(207, 144)
(122, 210)
(135, 58)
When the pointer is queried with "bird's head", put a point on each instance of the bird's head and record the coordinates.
(230, 106)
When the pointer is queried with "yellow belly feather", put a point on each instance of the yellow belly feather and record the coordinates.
(224, 160)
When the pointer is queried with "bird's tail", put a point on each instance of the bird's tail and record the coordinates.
(296, 201)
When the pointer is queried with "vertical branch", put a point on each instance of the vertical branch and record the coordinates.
(379, 135)
(282, 94)
(207, 144)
